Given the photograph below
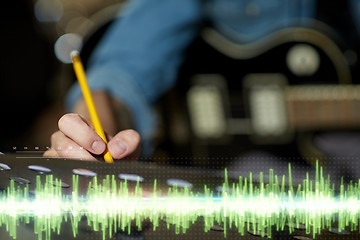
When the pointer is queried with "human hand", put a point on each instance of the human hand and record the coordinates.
(77, 139)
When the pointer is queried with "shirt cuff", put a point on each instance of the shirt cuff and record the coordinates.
(120, 85)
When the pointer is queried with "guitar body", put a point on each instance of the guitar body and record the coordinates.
(271, 95)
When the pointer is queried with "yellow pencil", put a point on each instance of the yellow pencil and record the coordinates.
(80, 74)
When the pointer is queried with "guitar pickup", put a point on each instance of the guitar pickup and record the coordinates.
(266, 106)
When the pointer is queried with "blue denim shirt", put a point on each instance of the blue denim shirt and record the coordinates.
(138, 58)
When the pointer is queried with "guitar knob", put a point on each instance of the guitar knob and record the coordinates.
(303, 60)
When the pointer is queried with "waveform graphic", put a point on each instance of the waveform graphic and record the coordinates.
(111, 206)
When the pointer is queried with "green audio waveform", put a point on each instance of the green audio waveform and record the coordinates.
(111, 206)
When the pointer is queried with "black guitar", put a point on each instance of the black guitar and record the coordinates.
(268, 94)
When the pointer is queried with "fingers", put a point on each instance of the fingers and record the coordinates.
(78, 140)
(125, 144)
(76, 128)
(64, 147)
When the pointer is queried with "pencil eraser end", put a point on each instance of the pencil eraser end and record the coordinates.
(74, 53)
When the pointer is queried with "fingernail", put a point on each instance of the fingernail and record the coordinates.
(98, 146)
(121, 146)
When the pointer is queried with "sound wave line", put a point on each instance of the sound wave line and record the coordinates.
(110, 207)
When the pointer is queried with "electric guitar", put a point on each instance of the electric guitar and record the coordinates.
(274, 92)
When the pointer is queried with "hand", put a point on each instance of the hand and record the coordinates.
(77, 139)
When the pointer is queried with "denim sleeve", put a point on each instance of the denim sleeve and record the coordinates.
(138, 57)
